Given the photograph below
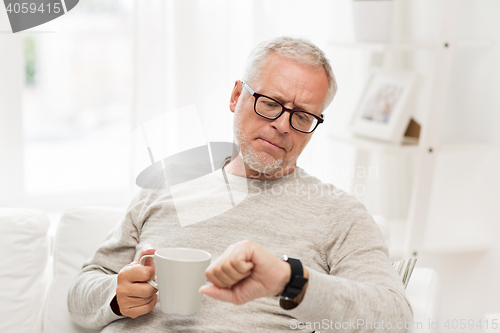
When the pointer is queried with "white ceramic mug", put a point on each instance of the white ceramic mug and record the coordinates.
(180, 272)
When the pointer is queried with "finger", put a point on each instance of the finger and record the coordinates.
(213, 277)
(135, 311)
(138, 301)
(147, 249)
(133, 302)
(224, 275)
(141, 289)
(235, 271)
(221, 294)
(137, 273)
(228, 270)
(127, 302)
(242, 266)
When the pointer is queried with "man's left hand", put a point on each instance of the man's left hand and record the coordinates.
(244, 272)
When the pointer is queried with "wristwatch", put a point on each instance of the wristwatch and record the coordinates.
(297, 279)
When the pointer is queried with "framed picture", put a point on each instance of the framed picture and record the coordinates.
(383, 111)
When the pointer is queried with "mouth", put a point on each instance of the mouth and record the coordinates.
(271, 144)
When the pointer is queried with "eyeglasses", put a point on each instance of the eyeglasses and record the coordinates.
(269, 108)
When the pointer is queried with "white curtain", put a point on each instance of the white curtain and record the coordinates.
(11, 136)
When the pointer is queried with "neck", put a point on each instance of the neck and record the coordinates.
(238, 167)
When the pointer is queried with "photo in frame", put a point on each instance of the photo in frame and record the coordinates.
(384, 109)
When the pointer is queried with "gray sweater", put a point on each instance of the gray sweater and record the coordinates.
(352, 286)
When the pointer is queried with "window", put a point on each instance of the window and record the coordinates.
(77, 100)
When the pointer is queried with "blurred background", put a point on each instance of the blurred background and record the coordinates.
(73, 90)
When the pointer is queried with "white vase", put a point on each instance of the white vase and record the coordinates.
(372, 20)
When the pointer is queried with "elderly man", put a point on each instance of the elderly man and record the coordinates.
(343, 278)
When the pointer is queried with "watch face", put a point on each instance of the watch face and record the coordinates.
(284, 257)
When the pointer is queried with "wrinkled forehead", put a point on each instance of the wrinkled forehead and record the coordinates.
(289, 81)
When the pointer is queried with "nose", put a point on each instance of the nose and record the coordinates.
(282, 124)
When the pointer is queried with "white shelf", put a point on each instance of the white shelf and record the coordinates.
(374, 145)
(407, 147)
(439, 241)
(457, 246)
(407, 46)
(474, 43)
(380, 47)
(462, 145)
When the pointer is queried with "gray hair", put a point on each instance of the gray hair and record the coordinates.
(298, 49)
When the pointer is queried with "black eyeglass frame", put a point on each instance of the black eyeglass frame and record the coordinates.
(283, 109)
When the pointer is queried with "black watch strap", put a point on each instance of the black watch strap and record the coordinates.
(297, 279)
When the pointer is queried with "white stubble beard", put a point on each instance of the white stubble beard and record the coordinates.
(251, 156)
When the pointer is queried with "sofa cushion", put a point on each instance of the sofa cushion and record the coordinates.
(79, 234)
(424, 294)
(23, 280)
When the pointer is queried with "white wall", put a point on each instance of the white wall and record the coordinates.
(467, 188)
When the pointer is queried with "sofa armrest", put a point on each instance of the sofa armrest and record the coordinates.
(24, 276)
(423, 292)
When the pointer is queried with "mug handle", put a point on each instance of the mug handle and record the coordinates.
(141, 262)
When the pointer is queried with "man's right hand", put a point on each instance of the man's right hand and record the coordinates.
(134, 295)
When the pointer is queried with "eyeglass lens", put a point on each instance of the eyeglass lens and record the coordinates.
(301, 121)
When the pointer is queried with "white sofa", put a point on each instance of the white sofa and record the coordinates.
(34, 283)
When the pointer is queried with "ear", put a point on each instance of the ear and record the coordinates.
(235, 94)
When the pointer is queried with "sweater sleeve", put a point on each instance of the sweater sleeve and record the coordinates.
(362, 292)
(91, 293)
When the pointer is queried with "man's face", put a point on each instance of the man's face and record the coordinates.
(270, 146)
